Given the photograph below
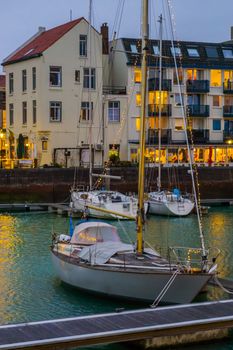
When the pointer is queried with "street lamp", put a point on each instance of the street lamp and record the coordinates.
(1, 136)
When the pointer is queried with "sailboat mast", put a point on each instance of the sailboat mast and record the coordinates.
(140, 215)
(89, 98)
(160, 99)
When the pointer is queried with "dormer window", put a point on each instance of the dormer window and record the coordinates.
(211, 52)
(176, 51)
(227, 53)
(133, 48)
(193, 52)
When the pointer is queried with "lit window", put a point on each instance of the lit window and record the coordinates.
(192, 52)
(215, 78)
(24, 112)
(216, 101)
(44, 145)
(211, 51)
(86, 113)
(89, 78)
(55, 76)
(138, 100)
(227, 53)
(133, 155)
(133, 48)
(24, 80)
(178, 80)
(137, 75)
(114, 111)
(83, 45)
(156, 50)
(175, 51)
(217, 124)
(179, 124)
(137, 123)
(55, 111)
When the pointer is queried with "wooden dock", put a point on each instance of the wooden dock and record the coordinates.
(119, 326)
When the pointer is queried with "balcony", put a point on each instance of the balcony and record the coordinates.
(153, 110)
(198, 136)
(228, 111)
(153, 84)
(153, 136)
(198, 110)
(114, 90)
(198, 86)
(228, 87)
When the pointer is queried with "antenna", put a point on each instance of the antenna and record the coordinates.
(71, 15)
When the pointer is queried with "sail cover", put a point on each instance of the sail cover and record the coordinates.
(100, 253)
(92, 232)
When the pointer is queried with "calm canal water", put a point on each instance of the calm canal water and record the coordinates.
(30, 291)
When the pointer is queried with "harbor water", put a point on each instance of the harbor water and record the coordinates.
(30, 290)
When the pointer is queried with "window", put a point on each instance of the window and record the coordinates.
(34, 111)
(55, 76)
(227, 53)
(138, 123)
(55, 111)
(156, 50)
(215, 78)
(137, 75)
(216, 101)
(44, 145)
(11, 113)
(133, 155)
(211, 51)
(89, 78)
(179, 99)
(176, 51)
(83, 46)
(24, 80)
(24, 112)
(11, 83)
(194, 74)
(138, 100)
(133, 48)
(33, 78)
(179, 124)
(86, 112)
(217, 124)
(114, 111)
(178, 80)
(77, 76)
(193, 52)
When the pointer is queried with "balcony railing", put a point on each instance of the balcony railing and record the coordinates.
(153, 110)
(198, 86)
(153, 84)
(228, 135)
(114, 90)
(228, 111)
(153, 136)
(228, 87)
(198, 110)
(198, 136)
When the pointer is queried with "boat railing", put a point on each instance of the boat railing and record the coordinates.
(191, 259)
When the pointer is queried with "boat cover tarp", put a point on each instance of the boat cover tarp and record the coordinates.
(100, 253)
(93, 232)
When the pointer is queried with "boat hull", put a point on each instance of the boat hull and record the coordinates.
(172, 209)
(129, 283)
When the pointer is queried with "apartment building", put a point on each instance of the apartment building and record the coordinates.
(54, 94)
(197, 82)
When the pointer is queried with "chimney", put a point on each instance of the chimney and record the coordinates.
(104, 33)
(41, 29)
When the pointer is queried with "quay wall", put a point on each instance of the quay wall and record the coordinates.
(50, 185)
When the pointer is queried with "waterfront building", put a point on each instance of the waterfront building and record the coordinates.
(64, 91)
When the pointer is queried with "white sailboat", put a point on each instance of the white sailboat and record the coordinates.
(163, 202)
(95, 259)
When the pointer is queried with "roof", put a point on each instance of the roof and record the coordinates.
(185, 60)
(41, 42)
(2, 81)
